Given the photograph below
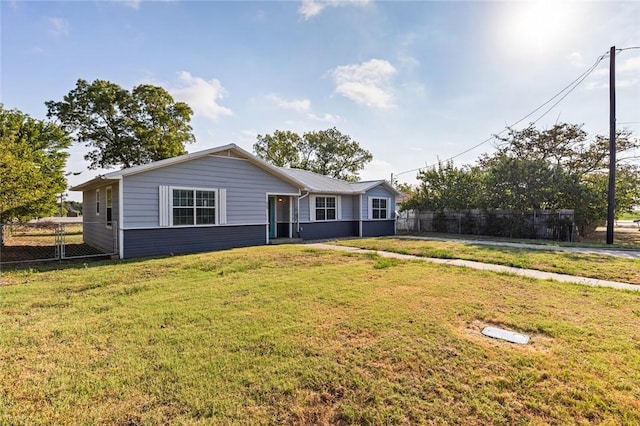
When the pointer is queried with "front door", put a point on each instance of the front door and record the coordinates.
(272, 217)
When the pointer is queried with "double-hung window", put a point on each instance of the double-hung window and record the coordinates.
(97, 202)
(326, 208)
(379, 208)
(193, 207)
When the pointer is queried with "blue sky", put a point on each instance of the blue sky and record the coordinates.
(412, 82)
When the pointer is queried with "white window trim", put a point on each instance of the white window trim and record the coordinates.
(165, 211)
(370, 209)
(107, 207)
(312, 207)
(98, 202)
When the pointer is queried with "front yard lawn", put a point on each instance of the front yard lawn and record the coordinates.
(291, 335)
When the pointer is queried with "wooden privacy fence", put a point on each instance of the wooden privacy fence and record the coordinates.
(556, 225)
(46, 241)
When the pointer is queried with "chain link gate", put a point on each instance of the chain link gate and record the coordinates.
(48, 241)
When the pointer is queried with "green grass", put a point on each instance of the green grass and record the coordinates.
(584, 265)
(624, 238)
(630, 216)
(291, 335)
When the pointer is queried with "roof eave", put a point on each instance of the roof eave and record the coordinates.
(96, 182)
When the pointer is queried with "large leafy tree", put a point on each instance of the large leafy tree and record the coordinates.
(327, 152)
(282, 148)
(446, 187)
(33, 154)
(124, 128)
(557, 168)
(571, 171)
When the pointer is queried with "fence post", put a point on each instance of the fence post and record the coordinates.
(58, 242)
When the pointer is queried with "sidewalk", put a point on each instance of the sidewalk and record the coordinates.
(529, 273)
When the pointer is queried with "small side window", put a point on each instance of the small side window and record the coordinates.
(97, 202)
(109, 206)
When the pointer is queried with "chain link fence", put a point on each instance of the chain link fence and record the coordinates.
(47, 241)
(556, 225)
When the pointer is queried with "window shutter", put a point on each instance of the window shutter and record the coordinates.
(312, 208)
(164, 205)
(222, 206)
(370, 208)
(390, 209)
(339, 207)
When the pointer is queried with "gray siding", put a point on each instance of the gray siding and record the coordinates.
(246, 186)
(349, 205)
(304, 210)
(378, 191)
(94, 226)
(323, 230)
(167, 241)
(378, 228)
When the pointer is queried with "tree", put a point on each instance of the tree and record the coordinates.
(32, 159)
(281, 149)
(562, 167)
(520, 184)
(557, 168)
(327, 152)
(124, 128)
(566, 145)
(445, 187)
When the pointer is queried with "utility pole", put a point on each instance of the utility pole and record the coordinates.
(611, 207)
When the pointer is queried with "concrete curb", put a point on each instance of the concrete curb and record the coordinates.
(529, 273)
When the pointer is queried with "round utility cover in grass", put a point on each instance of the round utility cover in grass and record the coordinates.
(509, 336)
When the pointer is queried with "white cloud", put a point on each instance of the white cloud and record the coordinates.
(629, 65)
(299, 105)
(575, 59)
(201, 95)
(626, 71)
(310, 8)
(133, 4)
(327, 118)
(367, 83)
(58, 26)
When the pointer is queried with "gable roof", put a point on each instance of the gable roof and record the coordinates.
(364, 186)
(302, 179)
(231, 150)
(315, 182)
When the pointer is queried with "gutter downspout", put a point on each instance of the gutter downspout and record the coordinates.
(298, 215)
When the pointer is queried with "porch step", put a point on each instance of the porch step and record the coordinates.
(285, 241)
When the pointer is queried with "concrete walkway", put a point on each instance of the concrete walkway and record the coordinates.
(529, 273)
(629, 254)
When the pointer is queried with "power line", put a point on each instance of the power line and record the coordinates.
(568, 89)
